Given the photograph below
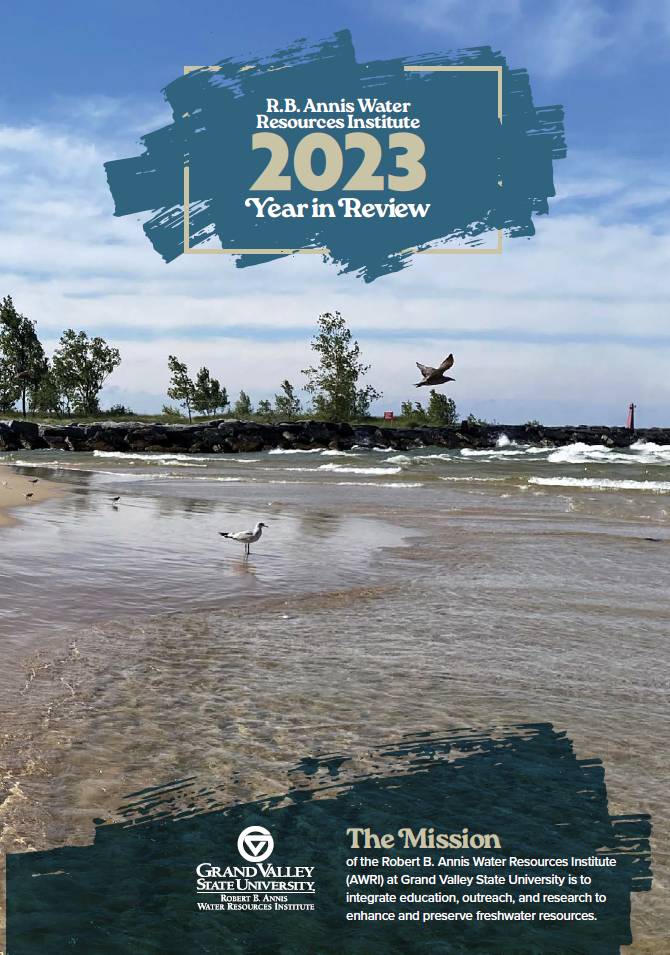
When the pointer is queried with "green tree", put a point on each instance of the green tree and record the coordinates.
(334, 381)
(9, 391)
(81, 365)
(171, 412)
(442, 410)
(414, 412)
(264, 409)
(477, 422)
(22, 358)
(181, 389)
(119, 411)
(46, 397)
(243, 407)
(287, 404)
(208, 395)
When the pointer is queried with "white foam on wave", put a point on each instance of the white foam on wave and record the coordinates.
(604, 484)
(443, 456)
(467, 479)
(224, 479)
(59, 465)
(401, 484)
(344, 469)
(295, 451)
(298, 470)
(338, 454)
(650, 446)
(174, 459)
(638, 453)
(493, 454)
(97, 472)
(404, 459)
(379, 450)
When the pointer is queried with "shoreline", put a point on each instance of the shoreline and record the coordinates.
(227, 436)
(13, 490)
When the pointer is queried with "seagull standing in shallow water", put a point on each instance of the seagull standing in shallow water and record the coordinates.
(246, 537)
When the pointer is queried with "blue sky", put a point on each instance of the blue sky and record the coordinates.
(570, 326)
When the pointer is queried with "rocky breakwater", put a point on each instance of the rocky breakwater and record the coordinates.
(229, 437)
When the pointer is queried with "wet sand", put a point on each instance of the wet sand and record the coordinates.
(14, 487)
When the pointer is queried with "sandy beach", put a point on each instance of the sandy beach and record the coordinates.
(14, 487)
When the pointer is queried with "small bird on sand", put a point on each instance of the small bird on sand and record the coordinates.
(435, 376)
(246, 537)
(29, 495)
(115, 500)
(33, 480)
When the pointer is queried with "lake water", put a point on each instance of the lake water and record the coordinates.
(391, 593)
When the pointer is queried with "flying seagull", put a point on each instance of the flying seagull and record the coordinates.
(246, 537)
(435, 376)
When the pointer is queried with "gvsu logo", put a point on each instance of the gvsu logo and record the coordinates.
(255, 844)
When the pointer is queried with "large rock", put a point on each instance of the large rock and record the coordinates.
(27, 434)
(229, 436)
(69, 437)
(9, 440)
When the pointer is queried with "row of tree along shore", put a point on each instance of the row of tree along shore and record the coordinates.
(336, 414)
(230, 436)
(70, 382)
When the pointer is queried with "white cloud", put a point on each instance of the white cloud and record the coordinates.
(597, 267)
(551, 37)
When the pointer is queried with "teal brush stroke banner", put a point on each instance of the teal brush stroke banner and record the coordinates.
(484, 179)
(135, 890)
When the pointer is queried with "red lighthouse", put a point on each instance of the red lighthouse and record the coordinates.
(630, 422)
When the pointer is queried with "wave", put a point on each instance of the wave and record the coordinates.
(443, 456)
(212, 478)
(296, 470)
(401, 484)
(338, 454)
(638, 453)
(644, 445)
(492, 454)
(604, 484)
(58, 465)
(340, 469)
(466, 479)
(295, 451)
(343, 469)
(98, 473)
(175, 459)
(407, 459)
(379, 450)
